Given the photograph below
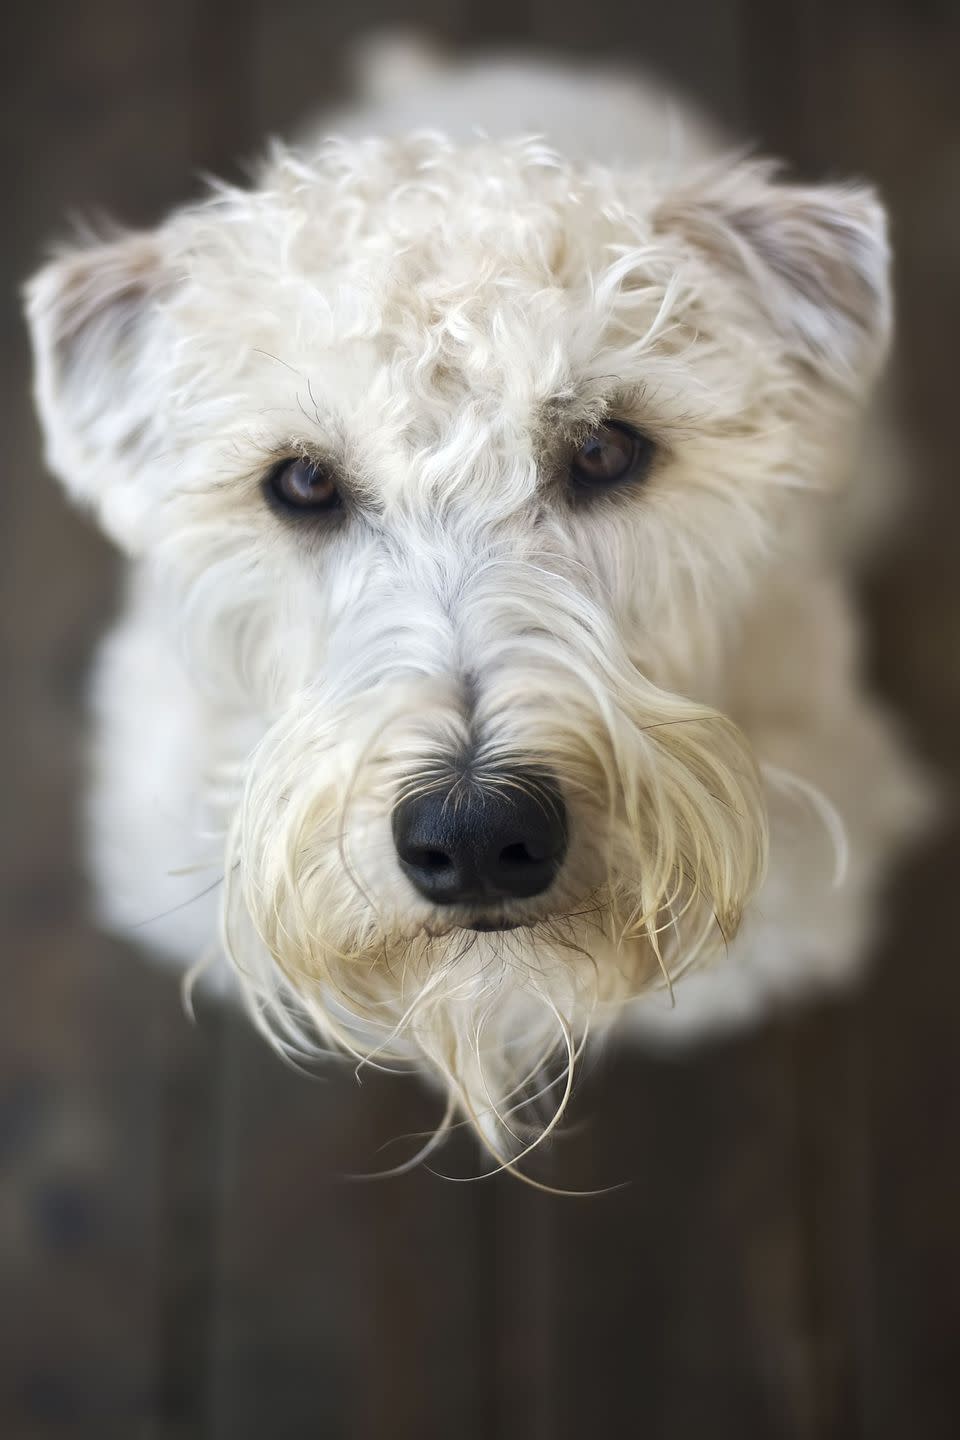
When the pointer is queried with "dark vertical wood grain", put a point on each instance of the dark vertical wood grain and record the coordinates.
(869, 89)
(103, 1089)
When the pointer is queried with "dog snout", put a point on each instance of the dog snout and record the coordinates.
(476, 843)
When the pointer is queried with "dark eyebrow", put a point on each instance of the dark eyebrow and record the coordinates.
(278, 360)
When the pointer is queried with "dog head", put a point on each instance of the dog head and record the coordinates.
(461, 469)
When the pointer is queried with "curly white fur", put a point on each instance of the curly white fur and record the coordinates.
(440, 314)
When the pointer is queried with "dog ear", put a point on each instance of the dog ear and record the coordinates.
(92, 315)
(815, 256)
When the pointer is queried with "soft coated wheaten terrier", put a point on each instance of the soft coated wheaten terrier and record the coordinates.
(488, 670)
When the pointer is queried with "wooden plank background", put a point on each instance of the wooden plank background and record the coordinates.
(180, 1253)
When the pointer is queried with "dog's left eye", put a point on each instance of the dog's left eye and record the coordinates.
(611, 455)
(302, 485)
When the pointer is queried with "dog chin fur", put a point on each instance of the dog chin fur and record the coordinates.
(439, 313)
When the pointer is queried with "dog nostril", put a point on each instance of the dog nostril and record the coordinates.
(517, 855)
(428, 859)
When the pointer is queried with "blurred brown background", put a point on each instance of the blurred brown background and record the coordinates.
(180, 1253)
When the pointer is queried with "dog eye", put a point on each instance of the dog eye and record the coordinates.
(610, 455)
(302, 485)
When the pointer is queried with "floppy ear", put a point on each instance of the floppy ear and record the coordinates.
(815, 256)
(92, 315)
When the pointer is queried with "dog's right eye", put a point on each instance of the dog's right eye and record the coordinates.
(611, 455)
(302, 485)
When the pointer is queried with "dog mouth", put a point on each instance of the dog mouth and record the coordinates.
(484, 927)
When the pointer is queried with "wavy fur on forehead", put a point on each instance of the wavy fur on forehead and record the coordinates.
(498, 267)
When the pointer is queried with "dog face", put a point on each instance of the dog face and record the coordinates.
(461, 469)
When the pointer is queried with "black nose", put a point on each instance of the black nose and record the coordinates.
(471, 843)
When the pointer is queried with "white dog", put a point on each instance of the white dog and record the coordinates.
(488, 633)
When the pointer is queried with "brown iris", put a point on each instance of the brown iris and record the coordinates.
(611, 455)
(303, 485)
